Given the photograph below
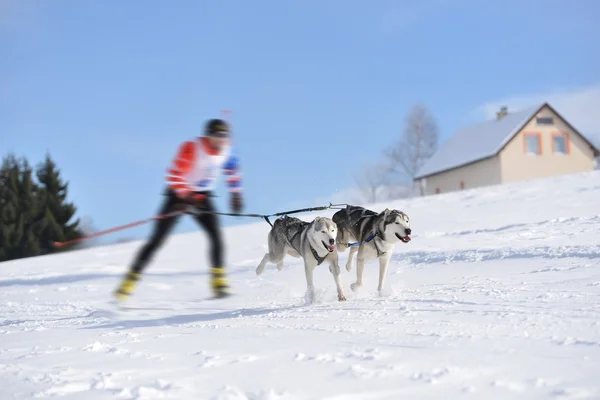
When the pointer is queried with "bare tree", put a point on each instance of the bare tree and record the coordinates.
(419, 141)
(401, 191)
(372, 181)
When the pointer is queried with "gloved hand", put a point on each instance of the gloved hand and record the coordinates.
(236, 202)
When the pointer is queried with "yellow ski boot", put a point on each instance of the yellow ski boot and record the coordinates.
(219, 285)
(127, 286)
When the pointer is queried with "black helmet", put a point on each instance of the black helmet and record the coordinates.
(216, 127)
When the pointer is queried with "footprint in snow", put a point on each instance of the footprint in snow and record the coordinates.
(366, 355)
(362, 372)
(210, 361)
(233, 393)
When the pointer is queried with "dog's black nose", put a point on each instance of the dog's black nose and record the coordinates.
(331, 241)
(408, 231)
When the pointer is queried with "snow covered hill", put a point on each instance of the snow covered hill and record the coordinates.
(496, 297)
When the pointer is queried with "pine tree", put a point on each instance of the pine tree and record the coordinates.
(4, 213)
(57, 213)
(33, 215)
(20, 217)
(30, 213)
(11, 231)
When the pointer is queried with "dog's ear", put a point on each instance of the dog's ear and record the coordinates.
(390, 216)
(401, 214)
(318, 223)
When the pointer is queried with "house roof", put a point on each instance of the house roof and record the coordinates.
(480, 141)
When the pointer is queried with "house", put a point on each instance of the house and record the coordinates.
(515, 146)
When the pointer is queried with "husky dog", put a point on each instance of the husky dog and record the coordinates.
(314, 241)
(378, 234)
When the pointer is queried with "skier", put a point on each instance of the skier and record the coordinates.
(190, 182)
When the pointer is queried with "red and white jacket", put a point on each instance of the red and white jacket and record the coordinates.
(197, 166)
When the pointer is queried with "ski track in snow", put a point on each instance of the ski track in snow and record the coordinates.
(496, 297)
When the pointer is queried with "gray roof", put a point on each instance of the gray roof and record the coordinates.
(478, 142)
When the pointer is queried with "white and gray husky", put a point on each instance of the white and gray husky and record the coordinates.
(378, 234)
(314, 242)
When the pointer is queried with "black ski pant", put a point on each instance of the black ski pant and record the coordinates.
(162, 227)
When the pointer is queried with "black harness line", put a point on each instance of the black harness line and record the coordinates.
(188, 211)
(267, 216)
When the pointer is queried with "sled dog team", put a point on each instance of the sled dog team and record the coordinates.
(373, 235)
(190, 183)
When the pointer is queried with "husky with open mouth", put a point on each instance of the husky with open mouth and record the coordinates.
(378, 234)
(314, 242)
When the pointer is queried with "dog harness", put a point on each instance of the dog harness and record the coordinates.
(316, 255)
(367, 240)
(379, 252)
(382, 236)
(312, 249)
(197, 166)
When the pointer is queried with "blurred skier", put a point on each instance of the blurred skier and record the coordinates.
(190, 182)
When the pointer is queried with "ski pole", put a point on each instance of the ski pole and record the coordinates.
(115, 229)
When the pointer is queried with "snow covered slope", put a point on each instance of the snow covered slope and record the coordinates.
(496, 297)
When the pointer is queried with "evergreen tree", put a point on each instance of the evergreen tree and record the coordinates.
(4, 209)
(11, 233)
(57, 212)
(33, 215)
(20, 217)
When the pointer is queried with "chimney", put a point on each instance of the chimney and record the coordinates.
(502, 113)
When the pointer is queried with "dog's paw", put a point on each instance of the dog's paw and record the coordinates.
(310, 297)
(279, 266)
(348, 267)
(341, 297)
(259, 270)
(355, 286)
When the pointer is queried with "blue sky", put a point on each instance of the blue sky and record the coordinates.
(112, 88)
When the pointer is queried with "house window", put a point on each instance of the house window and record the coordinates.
(544, 120)
(560, 143)
(533, 143)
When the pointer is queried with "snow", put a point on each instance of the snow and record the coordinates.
(496, 297)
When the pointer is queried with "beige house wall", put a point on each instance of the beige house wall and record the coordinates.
(517, 165)
(482, 173)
